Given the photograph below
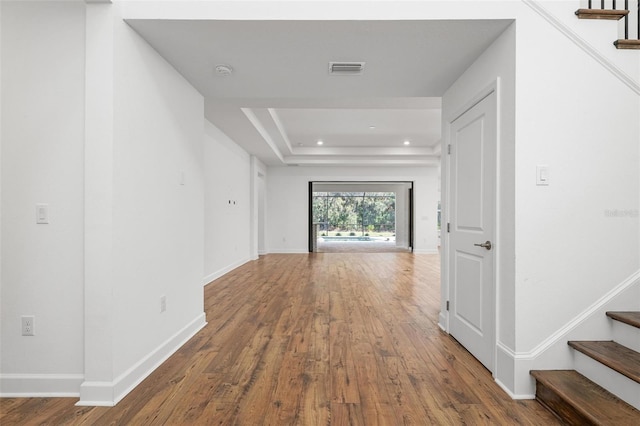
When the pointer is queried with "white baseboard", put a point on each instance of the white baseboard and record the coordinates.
(96, 394)
(289, 251)
(443, 321)
(110, 393)
(553, 353)
(513, 395)
(426, 251)
(40, 385)
(220, 272)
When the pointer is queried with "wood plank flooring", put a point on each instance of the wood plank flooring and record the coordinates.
(317, 339)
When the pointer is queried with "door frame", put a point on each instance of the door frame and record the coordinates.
(446, 293)
(411, 224)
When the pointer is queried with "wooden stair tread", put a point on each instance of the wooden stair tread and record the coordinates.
(577, 399)
(610, 14)
(631, 318)
(615, 356)
(627, 44)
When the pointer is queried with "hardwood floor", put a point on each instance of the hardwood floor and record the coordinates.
(318, 339)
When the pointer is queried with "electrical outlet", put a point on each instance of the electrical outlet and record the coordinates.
(163, 303)
(28, 325)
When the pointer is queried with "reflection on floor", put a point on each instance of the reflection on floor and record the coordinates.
(359, 247)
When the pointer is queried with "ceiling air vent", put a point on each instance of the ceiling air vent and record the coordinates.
(346, 68)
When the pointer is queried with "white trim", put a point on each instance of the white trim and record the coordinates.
(442, 322)
(553, 352)
(576, 321)
(96, 394)
(255, 121)
(283, 133)
(426, 251)
(222, 271)
(445, 290)
(513, 395)
(492, 88)
(289, 251)
(497, 234)
(40, 385)
(473, 101)
(110, 393)
(507, 350)
(582, 44)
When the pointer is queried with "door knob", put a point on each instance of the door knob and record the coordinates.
(486, 245)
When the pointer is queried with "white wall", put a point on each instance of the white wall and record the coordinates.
(287, 207)
(573, 244)
(227, 204)
(261, 227)
(257, 171)
(561, 248)
(589, 139)
(403, 217)
(42, 162)
(1, 137)
(497, 64)
(120, 164)
(548, 257)
(158, 216)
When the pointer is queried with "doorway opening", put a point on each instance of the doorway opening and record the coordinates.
(360, 217)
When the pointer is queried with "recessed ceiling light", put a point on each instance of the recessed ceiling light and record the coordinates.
(319, 142)
(223, 70)
(407, 142)
(372, 127)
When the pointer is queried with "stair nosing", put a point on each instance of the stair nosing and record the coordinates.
(627, 44)
(567, 396)
(626, 317)
(561, 392)
(586, 347)
(605, 14)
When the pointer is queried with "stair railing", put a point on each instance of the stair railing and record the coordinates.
(629, 12)
(626, 19)
(603, 4)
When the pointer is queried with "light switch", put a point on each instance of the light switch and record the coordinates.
(42, 213)
(542, 175)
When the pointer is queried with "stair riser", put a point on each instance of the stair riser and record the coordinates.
(626, 335)
(619, 385)
(557, 406)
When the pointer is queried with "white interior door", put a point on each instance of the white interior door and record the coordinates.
(471, 229)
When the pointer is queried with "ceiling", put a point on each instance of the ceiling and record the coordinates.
(280, 98)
